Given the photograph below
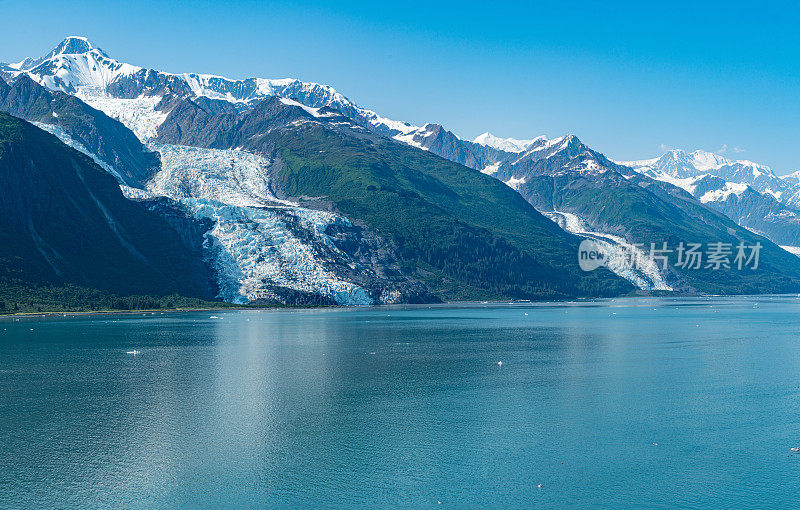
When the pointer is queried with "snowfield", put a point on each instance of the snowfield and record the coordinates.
(731, 188)
(505, 144)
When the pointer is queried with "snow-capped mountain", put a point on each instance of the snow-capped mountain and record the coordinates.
(436, 139)
(504, 144)
(552, 157)
(302, 249)
(749, 193)
(77, 66)
(792, 178)
(759, 212)
(677, 164)
(259, 117)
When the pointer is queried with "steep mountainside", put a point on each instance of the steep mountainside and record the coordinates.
(466, 234)
(406, 200)
(565, 176)
(64, 221)
(103, 136)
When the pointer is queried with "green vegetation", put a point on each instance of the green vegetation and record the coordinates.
(65, 228)
(72, 298)
(656, 213)
(467, 235)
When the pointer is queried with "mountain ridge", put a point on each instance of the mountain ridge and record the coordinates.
(253, 114)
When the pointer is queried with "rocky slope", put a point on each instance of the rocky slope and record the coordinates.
(330, 155)
(232, 152)
(105, 137)
(750, 193)
(564, 176)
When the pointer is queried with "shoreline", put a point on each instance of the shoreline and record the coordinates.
(147, 311)
(153, 311)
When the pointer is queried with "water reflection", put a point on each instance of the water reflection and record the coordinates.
(610, 403)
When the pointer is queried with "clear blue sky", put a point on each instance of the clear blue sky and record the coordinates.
(627, 78)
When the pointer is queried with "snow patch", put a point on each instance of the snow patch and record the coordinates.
(292, 102)
(515, 182)
(505, 144)
(491, 169)
(720, 195)
(688, 183)
(411, 138)
(705, 161)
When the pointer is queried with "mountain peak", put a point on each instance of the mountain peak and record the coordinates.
(705, 160)
(73, 45)
(568, 141)
(504, 144)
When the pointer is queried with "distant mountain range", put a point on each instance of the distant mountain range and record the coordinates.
(749, 193)
(287, 191)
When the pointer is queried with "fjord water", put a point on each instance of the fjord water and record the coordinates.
(637, 403)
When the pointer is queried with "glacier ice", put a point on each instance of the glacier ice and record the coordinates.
(139, 115)
(645, 275)
(254, 244)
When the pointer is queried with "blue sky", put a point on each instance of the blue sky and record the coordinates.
(628, 78)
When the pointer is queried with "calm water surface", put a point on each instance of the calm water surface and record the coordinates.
(644, 403)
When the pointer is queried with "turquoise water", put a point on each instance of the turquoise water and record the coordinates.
(644, 403)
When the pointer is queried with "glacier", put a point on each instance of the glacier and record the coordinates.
(253, 250)
(254, 244)
(251, 243)
(644, 274)
(138, 114)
